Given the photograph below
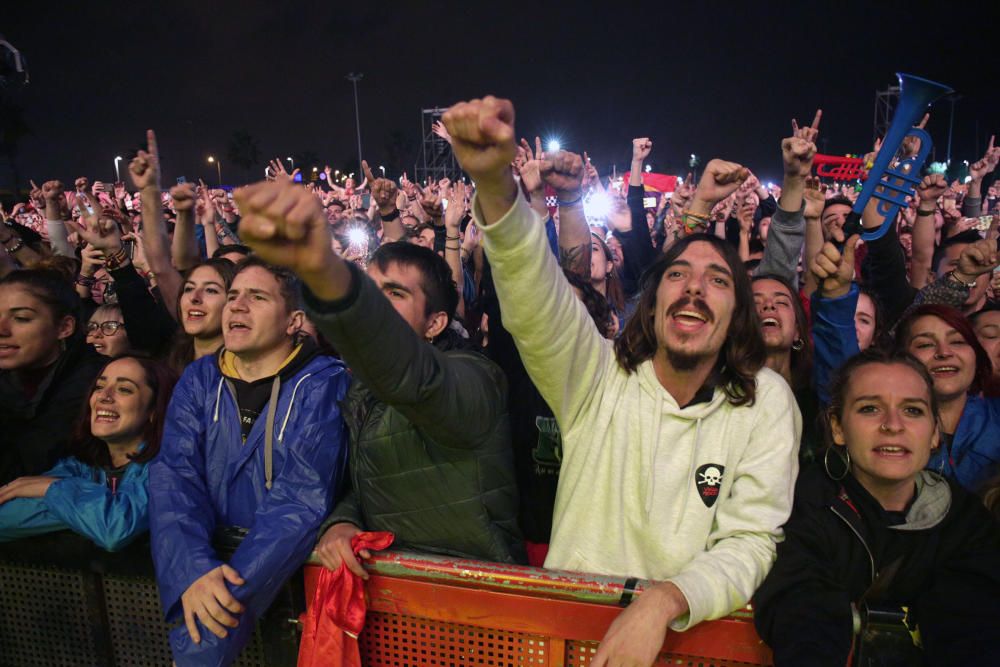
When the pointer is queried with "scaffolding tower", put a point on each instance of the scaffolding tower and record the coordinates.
(437, 160)
(885, 105)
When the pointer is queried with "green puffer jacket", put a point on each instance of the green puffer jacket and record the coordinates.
(430, 453)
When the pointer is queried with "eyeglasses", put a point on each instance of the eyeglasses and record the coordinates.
(109, 328)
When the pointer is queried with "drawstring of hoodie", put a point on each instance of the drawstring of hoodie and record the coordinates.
(690, 475)
(654, 451)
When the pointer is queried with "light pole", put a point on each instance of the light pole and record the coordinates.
(118, 176)
(354, 78)
(291, 162)
(383, 170)
(218, 167)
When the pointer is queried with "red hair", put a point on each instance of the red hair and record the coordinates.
(983, 380)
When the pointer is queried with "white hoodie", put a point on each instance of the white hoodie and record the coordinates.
(693, 495)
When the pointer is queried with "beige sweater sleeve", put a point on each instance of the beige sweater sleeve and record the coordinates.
(564, 354)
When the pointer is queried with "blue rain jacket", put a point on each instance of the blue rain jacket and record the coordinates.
(81, 501)
(206, 478)
(974, 453)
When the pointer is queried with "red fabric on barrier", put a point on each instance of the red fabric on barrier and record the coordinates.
(336, 614)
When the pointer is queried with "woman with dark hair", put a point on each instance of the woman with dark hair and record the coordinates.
(785, 328)
(943, 340)
(605, 279)
(46, 367)
(199, 306)
(100, 491)
(874, 529)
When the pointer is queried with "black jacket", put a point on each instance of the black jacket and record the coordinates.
(839, 539)
(35, 432)
(430, 457)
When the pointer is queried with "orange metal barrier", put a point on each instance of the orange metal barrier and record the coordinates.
(427, 610)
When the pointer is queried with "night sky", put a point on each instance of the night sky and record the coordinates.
(720, 81)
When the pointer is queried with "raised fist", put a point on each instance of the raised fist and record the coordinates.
(834, 270)
(932, 187)
(183, 196)
(563, 172)
(482, 137)
(978, 258)
(720, 180)
(641, 148)
(285, 225)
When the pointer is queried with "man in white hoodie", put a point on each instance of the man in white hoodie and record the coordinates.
(679, 446)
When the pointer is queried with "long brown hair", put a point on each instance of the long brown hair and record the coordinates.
(742, 355)
(92, 450)
(615, 294)
(181, 352)
(802, 358)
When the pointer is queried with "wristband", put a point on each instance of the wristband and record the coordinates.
(115, 260)
(954, 278)
(694, 220)
(389, 217)
(452, 238)
(579, 198)
(85, 281)
(921, 211)
(17, 246)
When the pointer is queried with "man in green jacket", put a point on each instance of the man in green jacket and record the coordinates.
(430, 457)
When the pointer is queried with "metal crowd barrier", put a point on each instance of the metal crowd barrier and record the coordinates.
(64, 602)
(439, 611)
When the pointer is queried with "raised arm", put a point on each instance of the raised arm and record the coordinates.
(145, 172)
(184, 252)
(973, 203)
(564, 172)
(555, 335)
(453, 242)
(787, 233)
(932, 187)
(384, 197)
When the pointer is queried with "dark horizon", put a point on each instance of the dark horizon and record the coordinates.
(724, 84)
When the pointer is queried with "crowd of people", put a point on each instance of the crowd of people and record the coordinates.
(727, 392)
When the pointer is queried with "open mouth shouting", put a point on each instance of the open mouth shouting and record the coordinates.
(689, 315)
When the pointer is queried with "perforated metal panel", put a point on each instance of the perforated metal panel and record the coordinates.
(579, 654)
(139, 633)
(400, 641)
(135, 620)
(44, 618)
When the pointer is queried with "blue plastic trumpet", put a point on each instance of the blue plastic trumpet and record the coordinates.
(889, 183)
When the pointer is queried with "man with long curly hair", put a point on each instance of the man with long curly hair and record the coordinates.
(679, 446)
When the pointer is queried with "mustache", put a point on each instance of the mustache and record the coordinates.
(687, 303)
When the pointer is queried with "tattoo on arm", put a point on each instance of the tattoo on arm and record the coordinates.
(576, 259)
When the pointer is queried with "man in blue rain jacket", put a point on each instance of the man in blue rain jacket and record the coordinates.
(254, 439)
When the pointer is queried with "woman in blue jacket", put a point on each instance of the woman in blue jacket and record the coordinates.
(944, 341)
(100, 491)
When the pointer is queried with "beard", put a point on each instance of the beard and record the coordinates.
(684, 361)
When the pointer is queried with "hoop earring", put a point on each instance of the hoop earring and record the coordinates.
(798, 344)
(847, 464)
